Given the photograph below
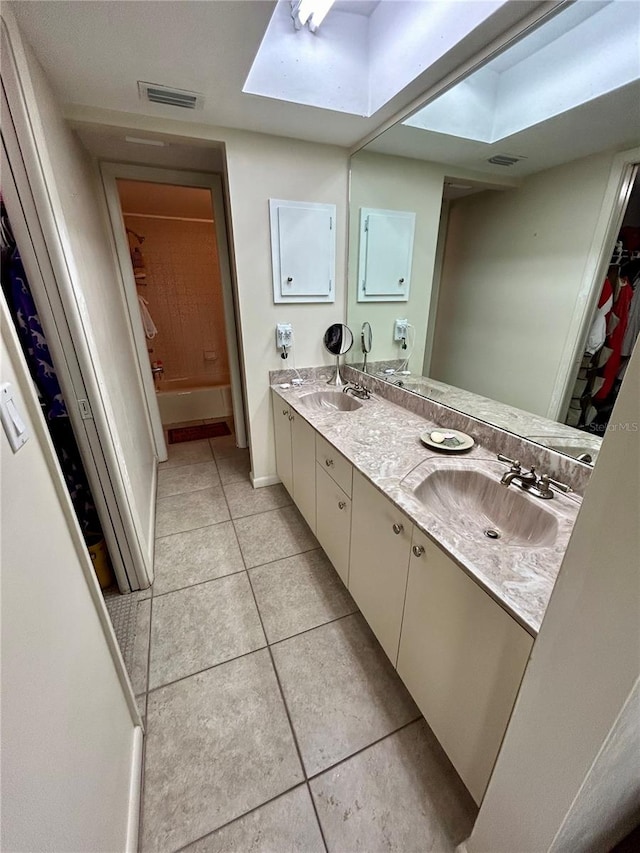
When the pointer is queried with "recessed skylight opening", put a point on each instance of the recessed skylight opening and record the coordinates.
(365, 52)
(588, 50)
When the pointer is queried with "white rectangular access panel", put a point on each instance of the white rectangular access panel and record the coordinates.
(303, 250)
(386, 255)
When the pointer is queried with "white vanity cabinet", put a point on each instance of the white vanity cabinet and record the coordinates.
(333, 522)
(460, 654)
(282, 425)
(379, 564)
(296, 458)
(334, 476)
(462, 658)
(303, 453)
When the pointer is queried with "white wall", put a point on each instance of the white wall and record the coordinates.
(514, 263)
(259, 168)
(67, 732)
(76, 198)
(572, 704)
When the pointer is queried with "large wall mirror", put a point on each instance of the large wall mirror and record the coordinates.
(483, 227)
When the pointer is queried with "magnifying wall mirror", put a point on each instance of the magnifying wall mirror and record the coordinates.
(338, 340)
(366, 338)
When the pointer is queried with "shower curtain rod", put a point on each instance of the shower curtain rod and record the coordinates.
(158, 216)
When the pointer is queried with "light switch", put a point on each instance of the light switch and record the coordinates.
(14, 426)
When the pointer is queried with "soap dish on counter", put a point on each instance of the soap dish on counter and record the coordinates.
(447, 440)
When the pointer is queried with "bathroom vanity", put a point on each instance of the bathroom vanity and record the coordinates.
(456, 612)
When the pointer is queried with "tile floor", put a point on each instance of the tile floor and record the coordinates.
(274, 721)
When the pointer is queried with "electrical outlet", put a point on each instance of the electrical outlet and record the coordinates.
(400, 330)
(284, 335)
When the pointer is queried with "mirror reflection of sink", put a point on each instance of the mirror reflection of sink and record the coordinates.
(477, 506)
(330, 401)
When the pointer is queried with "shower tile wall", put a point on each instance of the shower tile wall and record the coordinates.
(185, 299)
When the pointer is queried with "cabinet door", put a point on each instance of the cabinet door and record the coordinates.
(379, 564)
(462, 658)
(303, 443)
(333, 528)
(282, 426)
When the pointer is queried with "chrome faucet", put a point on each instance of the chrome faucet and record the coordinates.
(526, 479)
(540, 487)
(357, 390)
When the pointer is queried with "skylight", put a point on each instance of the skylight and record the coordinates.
(365, 52)
(587, 51)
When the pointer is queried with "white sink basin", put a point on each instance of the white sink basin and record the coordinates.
(476, 506)
(330, 401)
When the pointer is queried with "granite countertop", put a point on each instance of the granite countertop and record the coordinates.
(382, 440)
(540, 429)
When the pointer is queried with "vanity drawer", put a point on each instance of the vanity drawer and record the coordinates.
(334, 463)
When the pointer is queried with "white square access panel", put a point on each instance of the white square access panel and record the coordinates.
(386, 255)
(303, 251)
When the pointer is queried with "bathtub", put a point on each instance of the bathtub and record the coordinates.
(178, 402)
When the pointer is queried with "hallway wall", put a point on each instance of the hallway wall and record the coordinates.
(67, 732)
(258, 167)
(76, 200)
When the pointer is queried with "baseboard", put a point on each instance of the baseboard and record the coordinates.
(133, 820)
(269, 480)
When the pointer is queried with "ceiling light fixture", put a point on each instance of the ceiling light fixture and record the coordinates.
(310, 12)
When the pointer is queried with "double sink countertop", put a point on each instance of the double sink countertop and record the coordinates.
(382, 441)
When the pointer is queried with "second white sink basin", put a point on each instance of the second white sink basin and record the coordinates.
(330, 401)
(475, 505)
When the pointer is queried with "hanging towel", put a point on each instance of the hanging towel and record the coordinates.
(150, 329)
(598, 332)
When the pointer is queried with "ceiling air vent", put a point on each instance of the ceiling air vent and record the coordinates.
(172, 97)
(504, 160)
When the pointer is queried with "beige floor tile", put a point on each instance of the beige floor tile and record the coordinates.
(178, 513)
(187, 478)
(234, 467)
(299, 593)
(341, 691)
(244, 500)
(195, 556)
(224, 445)
(202, 626)
(218, 745)
(285, 825)
(273, 535)
(140, 658)
(400, 795)
(187, 453)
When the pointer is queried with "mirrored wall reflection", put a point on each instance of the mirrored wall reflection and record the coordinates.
(478, 269)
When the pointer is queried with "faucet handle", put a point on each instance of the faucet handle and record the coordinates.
(546, 481)
(515, 464)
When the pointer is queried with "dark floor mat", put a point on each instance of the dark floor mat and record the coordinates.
(194, 433)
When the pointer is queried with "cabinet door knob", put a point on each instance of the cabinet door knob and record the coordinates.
(398, 528)
(291, 417)
(328, 463)
(285, 411)
(342, 504)
(418, 550)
